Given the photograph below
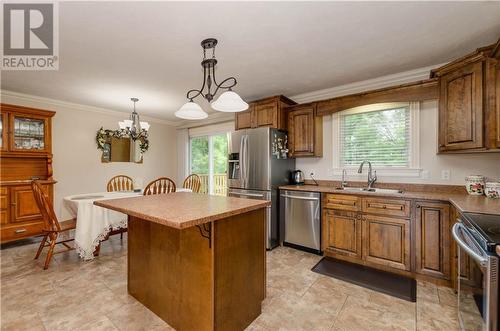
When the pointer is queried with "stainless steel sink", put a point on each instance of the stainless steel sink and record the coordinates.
(375, 190)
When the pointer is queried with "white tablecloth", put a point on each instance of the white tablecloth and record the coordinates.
(93, 223)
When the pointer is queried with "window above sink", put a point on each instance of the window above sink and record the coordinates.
(387, 134)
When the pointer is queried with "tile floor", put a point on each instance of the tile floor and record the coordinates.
(77, 295)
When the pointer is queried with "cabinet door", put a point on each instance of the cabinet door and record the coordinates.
(461, 109)
(301, 131)
(244, 119)
(24, 207)
(497, 104)
(29, 133)
(433, 239)
(4, 129)
(4, 206)
(386, 241)
(266, 114)
(342, 233)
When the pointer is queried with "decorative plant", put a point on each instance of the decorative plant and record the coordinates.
(103, 135)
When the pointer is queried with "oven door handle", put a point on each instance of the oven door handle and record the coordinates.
(456, 235)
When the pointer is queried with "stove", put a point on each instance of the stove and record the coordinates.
(478, 240)
(485, 228)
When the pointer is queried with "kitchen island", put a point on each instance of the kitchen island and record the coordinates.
(197, 261)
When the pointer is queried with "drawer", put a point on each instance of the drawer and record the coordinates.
(342, 202)
(387, 207)
(21, 231)
(3, 190)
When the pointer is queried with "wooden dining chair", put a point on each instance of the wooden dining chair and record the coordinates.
(120, 183)
(161, 185)
(192, 182)
(52, 228)
(117, 184)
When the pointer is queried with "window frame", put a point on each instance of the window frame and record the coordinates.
(413, 170)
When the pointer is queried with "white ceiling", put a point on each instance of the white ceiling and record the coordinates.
(111, 51)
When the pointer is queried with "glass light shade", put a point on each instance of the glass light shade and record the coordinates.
(122, 125)
(191, 111)
(145, 126)
(128, 123)
(229, 102)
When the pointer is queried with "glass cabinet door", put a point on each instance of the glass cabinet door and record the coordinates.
(3, 131)
(28, 134)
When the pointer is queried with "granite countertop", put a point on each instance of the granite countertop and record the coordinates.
(462, 201)
(182, 210)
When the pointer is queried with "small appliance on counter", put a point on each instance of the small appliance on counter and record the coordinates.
(297, 177)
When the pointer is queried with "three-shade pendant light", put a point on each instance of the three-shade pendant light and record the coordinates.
(228, 101)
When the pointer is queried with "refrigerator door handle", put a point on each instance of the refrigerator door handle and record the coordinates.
(244, 160)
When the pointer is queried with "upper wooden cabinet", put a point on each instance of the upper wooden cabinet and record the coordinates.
(305, 131)
(468, 117)
(269, 112)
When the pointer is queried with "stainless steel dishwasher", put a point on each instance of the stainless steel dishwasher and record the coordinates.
(300, 216)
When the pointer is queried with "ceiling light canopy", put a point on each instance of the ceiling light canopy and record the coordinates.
(228, 101)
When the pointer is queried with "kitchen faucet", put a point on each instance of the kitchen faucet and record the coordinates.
(372, 177)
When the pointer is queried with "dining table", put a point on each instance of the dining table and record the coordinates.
(93, 223)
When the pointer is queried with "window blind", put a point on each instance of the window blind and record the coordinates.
(381, 137)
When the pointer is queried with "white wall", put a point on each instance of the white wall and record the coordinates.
(77, 161)
(460, 165)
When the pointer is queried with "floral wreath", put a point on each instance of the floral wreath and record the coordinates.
(102, 135)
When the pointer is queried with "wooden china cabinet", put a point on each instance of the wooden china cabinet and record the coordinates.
(25, 154)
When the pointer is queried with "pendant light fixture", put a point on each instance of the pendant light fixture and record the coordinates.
(133, 127)
(229, 101)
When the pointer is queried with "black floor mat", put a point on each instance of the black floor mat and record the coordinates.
(396, 285)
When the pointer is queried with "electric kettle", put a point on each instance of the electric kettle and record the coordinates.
(297, 177)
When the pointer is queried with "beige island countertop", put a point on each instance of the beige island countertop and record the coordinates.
(462, 201)
(182, 210)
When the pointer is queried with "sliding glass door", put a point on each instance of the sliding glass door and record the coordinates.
(208, 159)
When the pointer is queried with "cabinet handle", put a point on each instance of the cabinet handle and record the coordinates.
(20, 231)
(14, 203)
(418, 206)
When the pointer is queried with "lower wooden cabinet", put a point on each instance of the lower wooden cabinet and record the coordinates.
(432, 236)
(386, 241)
(406, 236)
(342, 232)
(20, 216)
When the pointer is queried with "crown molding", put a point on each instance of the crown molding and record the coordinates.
(366, 85)
(29, 100)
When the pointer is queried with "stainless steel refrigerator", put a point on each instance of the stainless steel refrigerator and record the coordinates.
(257, 166)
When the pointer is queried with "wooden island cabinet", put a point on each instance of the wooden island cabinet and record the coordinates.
(197, 261)
(25, 154)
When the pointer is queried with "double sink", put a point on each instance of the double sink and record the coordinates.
(364, 189)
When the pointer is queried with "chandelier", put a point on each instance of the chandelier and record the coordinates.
(228, 101)
(133, 127)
